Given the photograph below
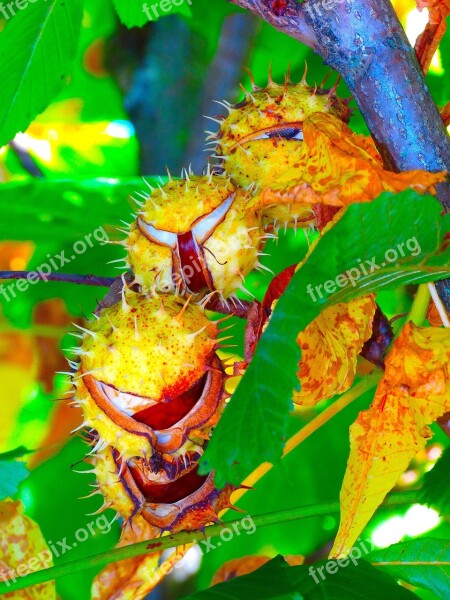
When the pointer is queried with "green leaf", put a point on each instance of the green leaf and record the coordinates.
(135, 13)
(276, 580)
(436, 485)
(424, 563)
(253, 426)
(65, 210)
(12, 473)
(37, 47)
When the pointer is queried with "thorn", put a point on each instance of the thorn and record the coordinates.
(180, 315)
(247, 93)
(100, 510)
(213, 119)
(324, 80)
(163, 193)
(255, 88)
(270, 81)
(87, 331)
(287, 78)
(305, 73)
(125, 306)
(264, 268)
(227, 337)
(82, 426)
(169, 174)
(225, 105)
(151, 188)
(332, 91)
(192, 336)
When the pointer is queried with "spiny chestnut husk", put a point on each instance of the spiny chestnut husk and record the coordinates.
(261, 136)
(149, 380)
(199, 234)
(188, 502)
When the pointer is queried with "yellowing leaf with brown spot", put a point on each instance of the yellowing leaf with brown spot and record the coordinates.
(428, 41)
(330, 347)
(132, 578)
(413, 393)
(23, 550)
(337, 167)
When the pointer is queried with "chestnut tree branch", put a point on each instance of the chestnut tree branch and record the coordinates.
(239, 308)
(365, 42)
(62, 277)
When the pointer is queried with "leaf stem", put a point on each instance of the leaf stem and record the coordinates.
(305, 432)
(183, 538)
(419, 308)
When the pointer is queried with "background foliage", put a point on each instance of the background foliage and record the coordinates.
(131, 102)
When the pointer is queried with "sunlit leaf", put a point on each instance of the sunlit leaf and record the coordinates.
(414, 392)
(337, 167)
(23, 550)
(44, 38)
(133, 578)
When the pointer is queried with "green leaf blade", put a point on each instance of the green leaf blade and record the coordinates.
(276, 580)
(37, 47)
(135, 13)
(365, 233)
(423, 563)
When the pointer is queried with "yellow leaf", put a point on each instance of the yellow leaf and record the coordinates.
(428, 41)
(133, 578)
(413, 393)
(23, 550)
(337, 167)
(330, 347)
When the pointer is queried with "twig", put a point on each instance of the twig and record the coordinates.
(239, 309)
(365, 42)
(419, 308)
(62, 277)
(183, 538)
(26, 160)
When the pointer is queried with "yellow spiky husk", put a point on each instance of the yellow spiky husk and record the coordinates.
(229, 252)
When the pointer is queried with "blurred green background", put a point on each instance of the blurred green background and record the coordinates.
(134, 105)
